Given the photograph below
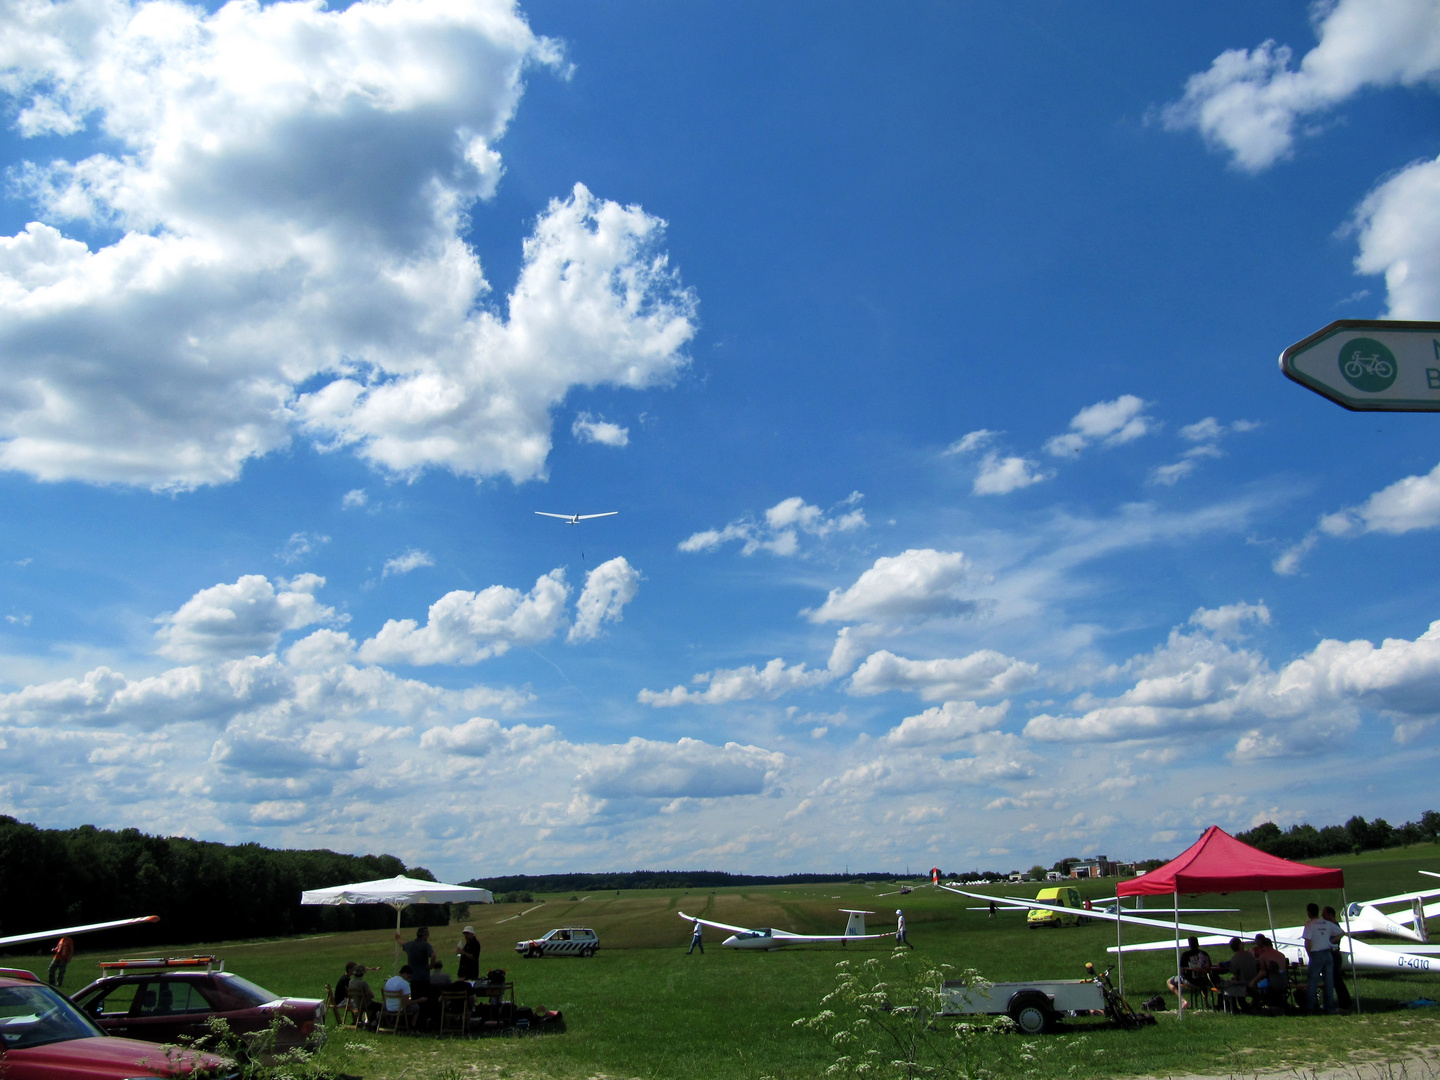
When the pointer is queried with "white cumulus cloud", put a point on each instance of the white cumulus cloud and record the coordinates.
(283, 190)
(917, 584)
(1110, 423)
(608, 588)
(725, 685)
(985, 673)
(247, 617)
(1197, 686)
(587, 428)
(689, 768)
(946, 725)
(1253, 102)
(1410, 504)
(1398, 226)
(783, 524)
(467, 627)
(1001, 475)
(413, 559)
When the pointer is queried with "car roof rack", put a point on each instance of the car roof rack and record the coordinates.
(150, 963)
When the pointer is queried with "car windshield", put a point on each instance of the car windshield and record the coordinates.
(255, 995)
(37, 1015)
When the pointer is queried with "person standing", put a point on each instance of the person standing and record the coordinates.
(421, 954)
(1319, 958)
(467, 964)
(900, 935)
(697, 939)
(1342, 992)
(60, 957)
(992, 910)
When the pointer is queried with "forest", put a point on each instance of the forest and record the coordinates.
(1356, 835)
(201, 891)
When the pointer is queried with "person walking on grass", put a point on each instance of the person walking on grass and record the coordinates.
(900, 936)
(62, 952)
(696, 941)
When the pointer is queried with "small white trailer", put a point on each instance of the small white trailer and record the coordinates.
(1034, 1006)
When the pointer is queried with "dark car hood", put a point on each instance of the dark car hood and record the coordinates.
(107, 1055)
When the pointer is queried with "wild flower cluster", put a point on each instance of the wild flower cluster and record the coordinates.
(884, 1017)
(255, 1055)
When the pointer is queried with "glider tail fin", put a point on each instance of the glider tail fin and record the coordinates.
(855, 925)
(1417, 905)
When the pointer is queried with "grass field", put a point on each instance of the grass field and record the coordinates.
(643, 1008)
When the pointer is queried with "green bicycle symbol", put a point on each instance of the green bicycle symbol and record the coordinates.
(1368, 365)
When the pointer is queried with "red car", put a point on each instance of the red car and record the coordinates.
(45, 1037)
(166, 1003)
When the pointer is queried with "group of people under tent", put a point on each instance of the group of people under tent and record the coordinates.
(417, 986)
(1261, 974)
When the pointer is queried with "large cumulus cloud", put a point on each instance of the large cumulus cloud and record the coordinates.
(287, 187)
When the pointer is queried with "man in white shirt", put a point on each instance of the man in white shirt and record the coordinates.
(400, 984)
(1319, 935)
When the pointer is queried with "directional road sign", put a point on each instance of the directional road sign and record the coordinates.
(1370, 366)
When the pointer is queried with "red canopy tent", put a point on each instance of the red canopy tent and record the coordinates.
(1218, 863)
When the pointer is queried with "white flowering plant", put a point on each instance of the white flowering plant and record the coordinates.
(884, 1018)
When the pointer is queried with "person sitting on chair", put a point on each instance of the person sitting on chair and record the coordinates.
(1273, 980)
(401, 984)
(342, 984)
(1242, 967)
(360, 991)
(1194, 972)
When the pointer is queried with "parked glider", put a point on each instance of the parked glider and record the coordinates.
(72, 931)
(575, 519)
(764, 937)
(1364, 954)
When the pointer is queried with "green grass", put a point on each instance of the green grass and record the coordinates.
(642, 1008)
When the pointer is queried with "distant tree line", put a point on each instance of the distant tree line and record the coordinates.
(1356, 835)
(657, 879)
(201, 891)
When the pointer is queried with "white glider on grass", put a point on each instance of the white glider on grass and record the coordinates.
(1365, 955)
(763, 937)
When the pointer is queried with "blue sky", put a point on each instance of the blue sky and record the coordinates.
(928, 357)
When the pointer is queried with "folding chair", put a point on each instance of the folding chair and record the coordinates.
(455, 1011)
(396, 1019)
(354, 1014)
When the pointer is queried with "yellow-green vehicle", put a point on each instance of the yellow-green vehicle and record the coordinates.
(1065, 896)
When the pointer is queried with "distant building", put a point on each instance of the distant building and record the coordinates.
(1099, 866)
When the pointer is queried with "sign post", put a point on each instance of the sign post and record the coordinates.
(1370, 365)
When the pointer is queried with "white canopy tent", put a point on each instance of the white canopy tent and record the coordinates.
(399, 892)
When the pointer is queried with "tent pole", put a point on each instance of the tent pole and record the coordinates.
(1179, 980)
(398, 908)
(1271, 915)
(1119, 947)
(1350, 948)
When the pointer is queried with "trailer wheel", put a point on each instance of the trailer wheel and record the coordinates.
(1031, 1013)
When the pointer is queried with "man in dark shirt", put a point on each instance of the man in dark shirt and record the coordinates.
(1194, 971)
